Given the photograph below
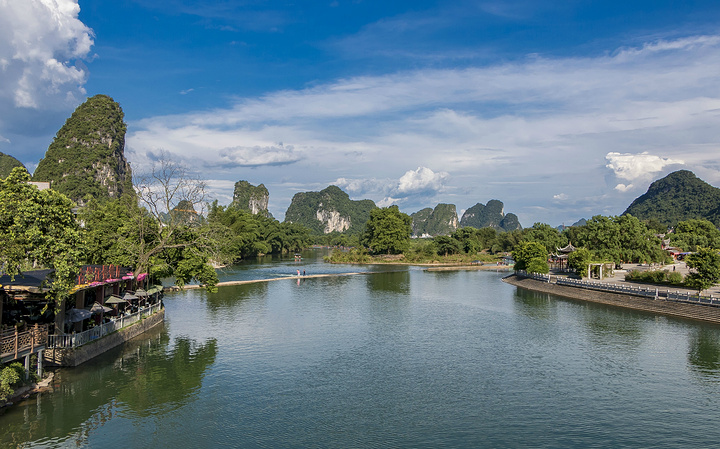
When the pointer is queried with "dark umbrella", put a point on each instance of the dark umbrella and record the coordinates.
(75, 315)
(99, 308)
(112, 299)
(129, 297)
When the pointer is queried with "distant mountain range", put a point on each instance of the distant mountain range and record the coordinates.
(677, 197)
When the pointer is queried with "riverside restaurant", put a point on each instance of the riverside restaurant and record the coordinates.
(106, 299)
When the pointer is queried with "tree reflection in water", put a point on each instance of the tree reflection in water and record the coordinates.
(147, 376)
(704, 353)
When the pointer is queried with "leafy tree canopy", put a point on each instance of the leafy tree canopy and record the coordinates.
(388, 231)
(706, 265)
(37, 227)
(526, 255)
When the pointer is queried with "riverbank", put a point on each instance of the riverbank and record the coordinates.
(658, 306)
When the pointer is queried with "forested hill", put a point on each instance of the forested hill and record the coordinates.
(677, 197)
(87, 156)
(329, 210)
(7, 163)
(251, 198)
(442, 220)
(490, 215)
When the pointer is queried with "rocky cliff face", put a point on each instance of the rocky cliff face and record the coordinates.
(252, 198)
(329, 210)
(442, 220)
(333, 221)
(490, 215)
(87, 156)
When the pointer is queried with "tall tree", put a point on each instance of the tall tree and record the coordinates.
(38, 230)
(706, 265)
(388, 231)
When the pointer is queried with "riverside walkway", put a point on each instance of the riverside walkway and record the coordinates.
(661, 300)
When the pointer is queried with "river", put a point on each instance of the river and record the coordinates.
(399, 358)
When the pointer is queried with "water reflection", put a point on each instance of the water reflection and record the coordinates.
(704, 353)
(534, 304)
(232, 298)
(391, 282)
(147, 376)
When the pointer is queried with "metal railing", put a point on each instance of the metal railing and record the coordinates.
(67, 341)
(647, 292)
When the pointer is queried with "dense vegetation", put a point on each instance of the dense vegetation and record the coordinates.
(490, 215)
(442, 220)
(38, 229)
(678, 197)
(7, 163)
(86, 158)
(305, 206)
(250, 198)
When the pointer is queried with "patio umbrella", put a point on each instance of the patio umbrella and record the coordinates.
(140, 292)
(112, 299)
(129, 297)
(75, 315)
(98, 308)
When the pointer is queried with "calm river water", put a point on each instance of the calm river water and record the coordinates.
(407, 358)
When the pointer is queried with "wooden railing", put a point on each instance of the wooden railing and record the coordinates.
(67, 341)
(13, 343)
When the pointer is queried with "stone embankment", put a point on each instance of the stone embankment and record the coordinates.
(700, 312)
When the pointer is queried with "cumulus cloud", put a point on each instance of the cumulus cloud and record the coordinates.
(623, 187)
(42, 40)
(560, 197)
(549, 121)
(631, 167)
(421, 180)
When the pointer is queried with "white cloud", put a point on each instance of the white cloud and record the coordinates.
(623, 187)
(550, 122)
(630, 167)
(254, 156)
(41, 40)
(560, 197)
(421, 180)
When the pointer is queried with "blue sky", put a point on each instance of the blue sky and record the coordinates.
(560, 109)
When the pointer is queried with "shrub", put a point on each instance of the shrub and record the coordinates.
(10, 377)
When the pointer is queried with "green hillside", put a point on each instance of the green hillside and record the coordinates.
(87, 156)
(7, 163)
(677, 197)
(490, 215)
(329, 210)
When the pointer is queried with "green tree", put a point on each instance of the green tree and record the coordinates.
(530, 255)
(38, 229)
(445, 245)
(545, 234)
(619, 239)
(579, 260)
(706, 265)
(388, 231)
(696, 233)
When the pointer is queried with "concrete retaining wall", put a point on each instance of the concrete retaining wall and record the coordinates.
(659, 306)
(77, 356)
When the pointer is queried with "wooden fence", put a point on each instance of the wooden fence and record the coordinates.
(14, 343)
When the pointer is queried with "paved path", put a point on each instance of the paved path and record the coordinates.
(679, 267)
